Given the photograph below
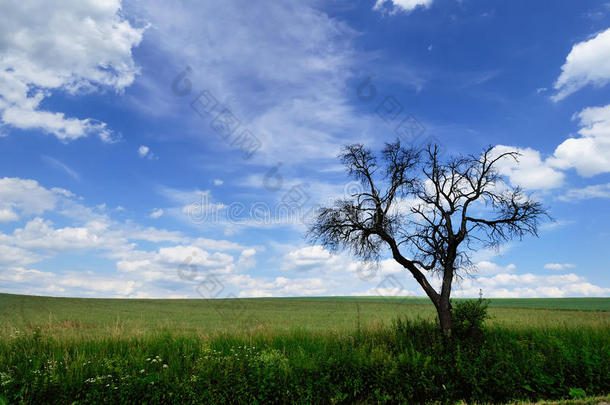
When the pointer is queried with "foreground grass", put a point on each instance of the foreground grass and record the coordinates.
(407, 362)
(603, 400)
(58, 350)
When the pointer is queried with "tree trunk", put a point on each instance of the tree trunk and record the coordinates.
(444, 316)
(444, 303)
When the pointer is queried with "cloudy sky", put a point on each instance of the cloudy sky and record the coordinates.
(145, 146)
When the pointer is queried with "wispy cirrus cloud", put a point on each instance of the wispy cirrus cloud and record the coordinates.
(58, 164)
(281, 68)
(586, 193)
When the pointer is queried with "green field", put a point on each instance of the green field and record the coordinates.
(298, 350)
(90, 318)
(585, 304)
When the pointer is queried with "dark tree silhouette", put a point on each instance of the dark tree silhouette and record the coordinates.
(430, 213)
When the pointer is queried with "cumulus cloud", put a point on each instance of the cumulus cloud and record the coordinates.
(24, 196)
(308, 258)
(184, 263)
(530, 171)
(139, 272)
(8, 215)
(23, 280)
(486, 267)
(216, 244)
(389, 278)
(402, 5)
(588, 153)
(559, 266)
(145, 152)
(16, 256)
(246, 259)
(587, 63)
(529, 285)
(70, 46)
(39, 234)
(179, 266)
(281, 286)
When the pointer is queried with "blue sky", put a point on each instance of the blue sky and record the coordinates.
(116, 179)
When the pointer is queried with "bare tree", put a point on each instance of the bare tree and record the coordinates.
(431, 214)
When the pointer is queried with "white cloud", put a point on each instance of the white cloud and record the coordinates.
(185, 263)
(22, 275)
(177, 266)
(589, 153)
(587, 63)
(199, 257)
(71, 46)
(594, 191)
(196, 206)
(218, 182)
(486, 267)
(25, 196)
(145, 152)
(402, 5)
(529, 285)
(21, 280)
(281, 286)
(96, 285)
(309, 258)
(151, 234)
(530, 172)
(215, 244)
(7, 215)
(559, 266)
(246, 259)
(39, 234)
(156, 213)
(139, 273)
(16, 256)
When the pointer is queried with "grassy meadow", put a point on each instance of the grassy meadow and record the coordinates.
(297, 350)
(92, 318)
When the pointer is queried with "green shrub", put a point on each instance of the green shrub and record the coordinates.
(577, 393)
(469, 317)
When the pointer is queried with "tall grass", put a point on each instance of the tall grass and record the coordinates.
(407, 361)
